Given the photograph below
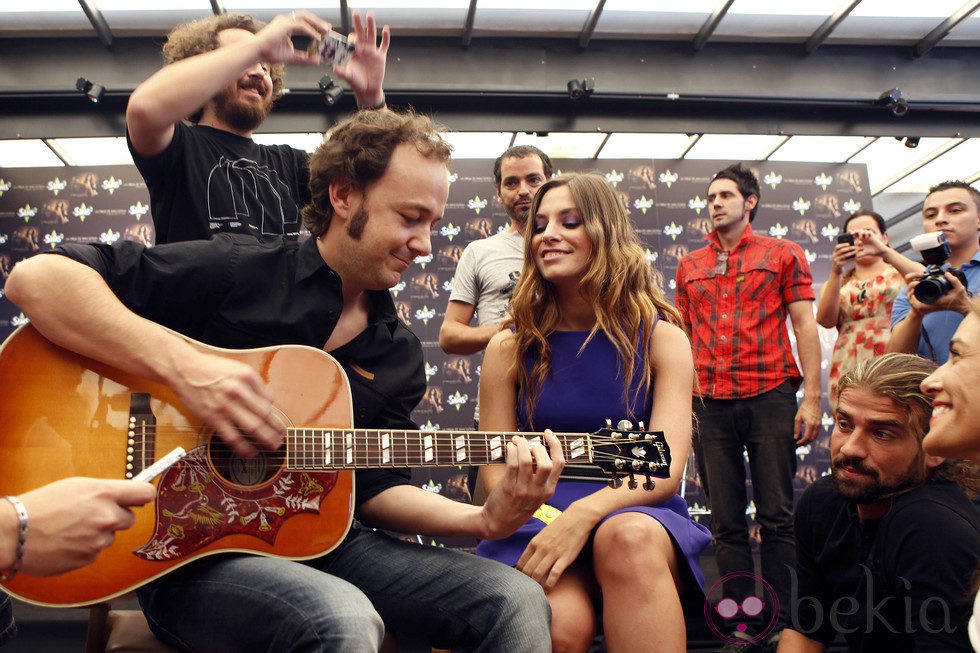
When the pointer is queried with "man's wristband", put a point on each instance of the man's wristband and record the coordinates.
(11, 571)
(376, 107)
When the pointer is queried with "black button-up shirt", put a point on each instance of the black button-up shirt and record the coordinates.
(238, 293)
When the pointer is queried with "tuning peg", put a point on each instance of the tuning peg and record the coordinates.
(640, 426)
(619, 463)
(649, 484)
(608, 423)
(637, 465)
(616, 482)
(632, 484)
(624, 425)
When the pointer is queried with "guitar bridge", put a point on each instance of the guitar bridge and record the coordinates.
(140, 440)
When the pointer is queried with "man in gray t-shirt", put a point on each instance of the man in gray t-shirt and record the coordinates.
(488, 269)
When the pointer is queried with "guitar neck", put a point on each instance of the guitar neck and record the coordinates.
(322, 449)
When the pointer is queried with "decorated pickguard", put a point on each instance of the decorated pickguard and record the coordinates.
(196, 507)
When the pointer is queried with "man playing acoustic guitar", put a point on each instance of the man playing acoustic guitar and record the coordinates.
(379, 184)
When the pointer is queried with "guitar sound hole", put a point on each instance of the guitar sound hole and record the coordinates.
(244, 471)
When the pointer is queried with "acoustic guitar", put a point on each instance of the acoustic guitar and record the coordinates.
(64, 415)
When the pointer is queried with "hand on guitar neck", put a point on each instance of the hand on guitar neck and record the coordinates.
(525, 486)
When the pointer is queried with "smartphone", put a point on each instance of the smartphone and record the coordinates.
(332, 49)
(846, 239)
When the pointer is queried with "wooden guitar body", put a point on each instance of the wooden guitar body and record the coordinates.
(63, 415)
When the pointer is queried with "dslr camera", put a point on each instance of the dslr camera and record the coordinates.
(933, 284)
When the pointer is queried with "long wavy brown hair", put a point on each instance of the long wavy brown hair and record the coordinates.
(618, 283)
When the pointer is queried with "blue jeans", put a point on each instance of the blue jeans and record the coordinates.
(762, 426)
(344, 601)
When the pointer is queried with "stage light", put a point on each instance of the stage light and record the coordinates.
(92, 91)
(895, 101)
(331, 92)
(910, 142)
(580, 88)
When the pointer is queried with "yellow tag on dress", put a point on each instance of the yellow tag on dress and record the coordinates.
(547, 513)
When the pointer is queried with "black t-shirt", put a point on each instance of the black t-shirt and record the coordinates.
(7, 626)
(900, 583)
(209, 181)
(236, 292)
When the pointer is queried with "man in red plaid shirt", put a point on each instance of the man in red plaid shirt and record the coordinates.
(735, 294)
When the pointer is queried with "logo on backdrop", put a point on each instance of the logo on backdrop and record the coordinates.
(668, 178)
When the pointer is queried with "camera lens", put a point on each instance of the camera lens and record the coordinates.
(931, 288)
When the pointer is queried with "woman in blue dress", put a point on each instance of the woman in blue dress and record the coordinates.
(592, 337)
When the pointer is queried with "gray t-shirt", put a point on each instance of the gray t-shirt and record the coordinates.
(487, 273)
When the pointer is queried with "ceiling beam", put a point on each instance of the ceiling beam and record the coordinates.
(470, 20)
(58, 151)
(944, 28)
(829, 25)
(694, 142)
(785, 137)
(589, 29)
(605, 139)
(710, 25)
(98, 21)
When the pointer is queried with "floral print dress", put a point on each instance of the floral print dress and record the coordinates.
(863, 321)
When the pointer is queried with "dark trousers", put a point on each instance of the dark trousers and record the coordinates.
(762, 427)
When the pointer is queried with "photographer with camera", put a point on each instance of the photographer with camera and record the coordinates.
(927, 314)
(865, 277)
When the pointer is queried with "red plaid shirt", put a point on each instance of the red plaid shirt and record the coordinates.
(736, 309)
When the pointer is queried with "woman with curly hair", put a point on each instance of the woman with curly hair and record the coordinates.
(592, 337)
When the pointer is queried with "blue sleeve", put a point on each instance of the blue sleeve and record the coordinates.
(900, 307)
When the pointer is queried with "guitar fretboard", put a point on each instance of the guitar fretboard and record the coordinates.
(318, 449)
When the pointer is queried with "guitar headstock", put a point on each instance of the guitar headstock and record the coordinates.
(626, 452)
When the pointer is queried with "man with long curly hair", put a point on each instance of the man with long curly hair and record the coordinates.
(222, 75)
(886, 544)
